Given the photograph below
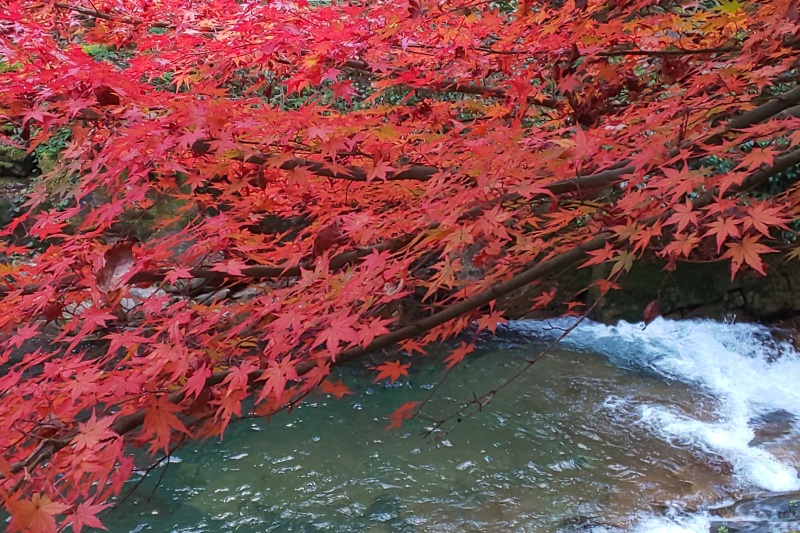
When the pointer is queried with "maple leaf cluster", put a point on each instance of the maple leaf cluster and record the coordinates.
(247, 193)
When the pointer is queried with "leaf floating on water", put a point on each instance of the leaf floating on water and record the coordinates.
(404, 412)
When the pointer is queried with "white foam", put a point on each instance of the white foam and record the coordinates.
(739, 365)
(699, 523)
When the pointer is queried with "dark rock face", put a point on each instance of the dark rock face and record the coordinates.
(706, 290)
(692, 290)
(16, 170)
(16, 163)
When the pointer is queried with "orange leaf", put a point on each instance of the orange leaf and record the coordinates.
(762, 218)
(683, 215)
(748, 251)
(491, 321)
(86, 515)
(37, 514)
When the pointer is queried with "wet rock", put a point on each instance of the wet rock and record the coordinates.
(387, 509)
(772, 426)
(582, 524)
(705, 291)
(788, 331)
(383, 508)
(744, 525)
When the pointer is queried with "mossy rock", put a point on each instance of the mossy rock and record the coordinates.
(16, 163)
(46, 161)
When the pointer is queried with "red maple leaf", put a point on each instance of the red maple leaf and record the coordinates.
(340, 330)
(683, 215)
(92, 432)
(379, 170)
(85, 515)
(723, 228)
(457, 355)
(277, 375)
(391, 370)
(337, 388)
(160, 421)
(491, 321)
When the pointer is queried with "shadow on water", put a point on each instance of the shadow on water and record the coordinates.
(566, 448)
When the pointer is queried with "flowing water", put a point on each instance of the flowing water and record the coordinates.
(619, 430)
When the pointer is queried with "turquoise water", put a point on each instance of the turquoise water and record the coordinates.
(563, 447)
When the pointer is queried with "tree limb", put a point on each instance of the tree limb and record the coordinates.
(128, 423)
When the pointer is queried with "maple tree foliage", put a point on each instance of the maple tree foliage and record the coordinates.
(300, 169)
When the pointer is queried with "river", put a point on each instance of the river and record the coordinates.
(621, 429)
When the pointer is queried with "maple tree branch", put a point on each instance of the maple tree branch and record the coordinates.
(128, 423)
(457, 86)
(106, 16)
(415, 172)
(669, 53)
(494, 92)
(351, 173)
(261, 271)
(780, 164)
(253, 272)
(566, 186)
(769, 109)
(479, 402)
(793, 111)
(627, 52)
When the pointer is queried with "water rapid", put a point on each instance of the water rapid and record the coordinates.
(621, 429)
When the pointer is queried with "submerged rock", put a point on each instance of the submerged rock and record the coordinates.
(759, 513)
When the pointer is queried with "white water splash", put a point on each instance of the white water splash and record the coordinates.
(739, 365)
(699, 523)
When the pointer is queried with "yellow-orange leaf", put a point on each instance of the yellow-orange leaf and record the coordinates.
(37, 514)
